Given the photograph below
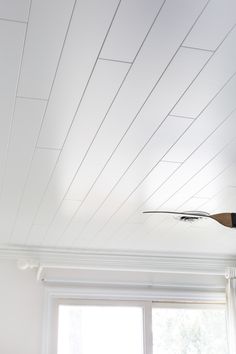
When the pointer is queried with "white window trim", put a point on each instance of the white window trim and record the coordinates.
(147, 297)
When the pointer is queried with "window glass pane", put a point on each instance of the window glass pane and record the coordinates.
(189, 331)
(100, 330)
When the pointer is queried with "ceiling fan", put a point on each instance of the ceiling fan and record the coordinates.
(226, 219)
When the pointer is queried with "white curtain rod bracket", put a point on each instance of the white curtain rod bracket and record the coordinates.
(24, 263)
(230, 273)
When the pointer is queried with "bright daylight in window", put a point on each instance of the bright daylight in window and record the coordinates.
(85, 329)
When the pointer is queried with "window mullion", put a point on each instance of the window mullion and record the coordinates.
(147, 328)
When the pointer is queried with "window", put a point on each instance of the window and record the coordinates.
(192, 330)
(98, 327)
(100, 330)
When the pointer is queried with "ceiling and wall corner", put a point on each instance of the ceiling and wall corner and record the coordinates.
(109, 108)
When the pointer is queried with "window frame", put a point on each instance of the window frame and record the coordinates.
(146, 305)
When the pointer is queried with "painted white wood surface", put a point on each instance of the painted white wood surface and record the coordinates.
(109, 108)
(14, 10)
(46, 33)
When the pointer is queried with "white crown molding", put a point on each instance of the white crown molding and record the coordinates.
(120, 260)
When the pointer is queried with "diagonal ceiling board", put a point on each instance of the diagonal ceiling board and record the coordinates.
(127, 105)
(212, 117)
(114, 125)
(11, 45)
(181, 199)
(154, 179)
(224, 201)
(109, 76)
(41, 168)
(219, 183)
(165, 95)
(167, 134)
(214, 167)
(215, 74)
(193, 203)
(88, 28)
(216, 233)
(49, 237)
(181, 236)
(216, 21)
(161, 226)
(172, 85)
(47, 28)
(129, 29)
(34, 238)
(199, 160)
(162, 223)
(14, 10)
(27, 118)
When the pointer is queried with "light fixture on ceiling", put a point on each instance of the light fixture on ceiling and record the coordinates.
(225, 219)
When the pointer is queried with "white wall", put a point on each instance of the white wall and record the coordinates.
(21, 310)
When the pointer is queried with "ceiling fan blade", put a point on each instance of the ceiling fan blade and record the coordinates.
(187, 213)
(226, 219)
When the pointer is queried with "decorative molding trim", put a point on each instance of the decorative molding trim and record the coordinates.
(121, 260)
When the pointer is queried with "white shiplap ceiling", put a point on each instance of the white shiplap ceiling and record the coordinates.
(109, 108)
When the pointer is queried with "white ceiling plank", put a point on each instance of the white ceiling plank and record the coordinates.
(42, 166)
(165, 230)
(179, 180)
(127, 214)
(109, 108)
(213, 25)
(173, 84)
(215, 74)
(194, 203)
(132, 95)
(104, 84)
(130, 99)
(154, 180)
(14, 10)
(226, 178)
(67, 210)
(11, 45)
(35, 235)
(75, 69)
(133, 20)
(212, 117)
(109, 76)
(204, 176)
(27, 120)
(47, 27)
(224, 201)
(184, 197)
(141, 167)
(165, 95)
(197, 161)
(86, 34)
(175, 224)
